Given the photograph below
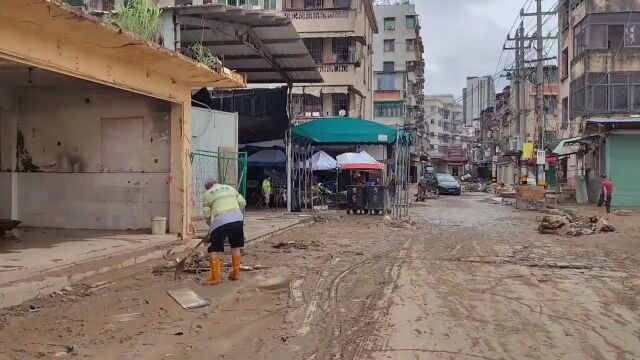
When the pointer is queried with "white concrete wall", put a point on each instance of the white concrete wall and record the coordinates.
(214, 129)
(94, 130)
(113, 201)
(103, 159)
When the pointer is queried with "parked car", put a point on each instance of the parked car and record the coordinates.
(443, 184)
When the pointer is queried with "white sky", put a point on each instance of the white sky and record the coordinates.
(465, 37)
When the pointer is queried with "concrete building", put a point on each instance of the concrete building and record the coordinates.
(477, 97)
(448, 143)
(599, 92)
(398, 66)
(398, 76)
(69, 157)
(499, 131)
(339, 36)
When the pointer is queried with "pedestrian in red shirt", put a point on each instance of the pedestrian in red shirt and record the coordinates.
(606, 192)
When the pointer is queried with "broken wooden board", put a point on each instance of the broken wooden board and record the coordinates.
(188, 299)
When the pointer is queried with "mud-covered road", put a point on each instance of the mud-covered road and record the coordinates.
(469, 280)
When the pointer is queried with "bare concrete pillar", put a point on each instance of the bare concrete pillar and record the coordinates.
(180, 179)
(8, 143)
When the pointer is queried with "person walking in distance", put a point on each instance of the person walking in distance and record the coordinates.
(222, 207)
(266, 190)
(606, 191)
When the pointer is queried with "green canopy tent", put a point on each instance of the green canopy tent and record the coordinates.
(345, 131)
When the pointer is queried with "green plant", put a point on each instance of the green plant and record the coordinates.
(136, 16)
(203, 54)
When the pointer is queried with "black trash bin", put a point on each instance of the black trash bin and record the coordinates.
(356, 198)
(377, 199)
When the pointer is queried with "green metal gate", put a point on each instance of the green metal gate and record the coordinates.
(622, 167)
(226, 167)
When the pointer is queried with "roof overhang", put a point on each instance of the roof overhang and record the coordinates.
(261, 44)
(53, 35)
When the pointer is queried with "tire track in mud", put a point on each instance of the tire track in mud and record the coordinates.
(379, 316)
(334, 301)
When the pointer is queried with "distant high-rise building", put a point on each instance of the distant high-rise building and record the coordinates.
(477, 97)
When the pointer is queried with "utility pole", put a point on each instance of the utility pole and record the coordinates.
(540, 111)
(540, 89)
(520, 81)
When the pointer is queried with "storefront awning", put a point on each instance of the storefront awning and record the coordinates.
(559, 148)
(344, 131)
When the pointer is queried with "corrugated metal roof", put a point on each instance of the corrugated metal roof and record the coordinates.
(261, 44)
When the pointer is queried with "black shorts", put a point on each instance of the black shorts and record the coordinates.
(607, 204)
(233, 231)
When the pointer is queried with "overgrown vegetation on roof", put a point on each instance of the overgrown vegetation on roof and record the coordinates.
(138, 17)
(202, 54)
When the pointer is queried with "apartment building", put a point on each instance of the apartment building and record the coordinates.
(599, 95)
(339, 35)
(398, 67)
(448, 141)
(500, 133)
(477, 97)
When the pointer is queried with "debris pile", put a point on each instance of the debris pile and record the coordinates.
(401, 223)
(568, 222)
(325, 217)
(298, 244)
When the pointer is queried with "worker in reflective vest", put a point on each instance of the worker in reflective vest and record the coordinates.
(222, 207)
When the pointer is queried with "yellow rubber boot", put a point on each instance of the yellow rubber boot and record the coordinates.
(235, 270)
(215, 266)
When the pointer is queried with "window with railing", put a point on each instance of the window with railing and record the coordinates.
(342, 4)
(270, 5)
(411, 45)
(389, 23)
(386, 82)
(411, 21)
(315, 47)
(389, 109)
(565, 63)
(306, 105)
(550, 104)
(343, 49)
(389, 45)
(565, 113)
(606, 36)
(313, 4)
(340, 102)
(599, 93)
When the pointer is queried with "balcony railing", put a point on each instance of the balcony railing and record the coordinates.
(334, 68)
(317, 14)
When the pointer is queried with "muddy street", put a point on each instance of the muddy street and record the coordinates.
(467, 279)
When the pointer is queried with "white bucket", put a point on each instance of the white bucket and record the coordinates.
(158, 225)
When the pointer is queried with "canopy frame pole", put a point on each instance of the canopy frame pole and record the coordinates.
(289, 172)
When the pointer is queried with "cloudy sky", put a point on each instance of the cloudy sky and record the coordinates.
(463, 38)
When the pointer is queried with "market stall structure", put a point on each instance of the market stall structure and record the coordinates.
(305, 140)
